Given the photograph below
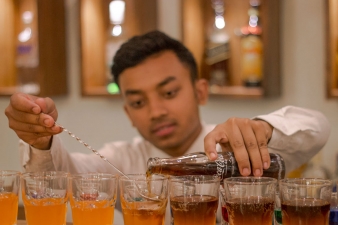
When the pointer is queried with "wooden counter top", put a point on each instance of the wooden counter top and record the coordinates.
(22, 222)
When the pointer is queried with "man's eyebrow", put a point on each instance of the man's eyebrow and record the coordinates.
(166, 81)
(161, 84)
(132, 92)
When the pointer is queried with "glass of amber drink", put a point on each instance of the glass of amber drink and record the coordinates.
(250, 200)
(92, 198)
(9, 196)
(45, 196)
(143, 199)
(305, 200)
(194, 199)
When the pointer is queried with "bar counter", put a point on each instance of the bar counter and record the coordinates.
(23, 222)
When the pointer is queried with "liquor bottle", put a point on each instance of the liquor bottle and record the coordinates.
(217, 50)
(252, 48)
(27, 59)
(333, 217)
(198, 164)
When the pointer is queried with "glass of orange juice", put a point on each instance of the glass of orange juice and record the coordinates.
(45, 196)
(92, 198)
(9, 196)
(143, 199)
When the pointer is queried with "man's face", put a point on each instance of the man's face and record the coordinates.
(162, 102)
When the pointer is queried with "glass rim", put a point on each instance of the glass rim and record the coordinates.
(40, 174)
(143, 177)
(8, 173)
(305, 182)
(89, 176)
(250, 180)
(190, 179)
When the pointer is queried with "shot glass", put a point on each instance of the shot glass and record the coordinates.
(194, 199)
(9, 196)
(143, 199)
(93, 198)
(45, 196)
(250, 200)
(305, 200)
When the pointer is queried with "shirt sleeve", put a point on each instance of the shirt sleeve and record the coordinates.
(33, 159)
(59, 159)
(41, 159)
(125, 156)
(298, 134)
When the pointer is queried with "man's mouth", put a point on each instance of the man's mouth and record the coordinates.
(163, 129)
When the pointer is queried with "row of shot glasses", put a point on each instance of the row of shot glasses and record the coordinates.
(193, 199)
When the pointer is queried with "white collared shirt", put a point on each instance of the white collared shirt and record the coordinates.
(297, 136)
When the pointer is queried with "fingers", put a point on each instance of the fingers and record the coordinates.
(210, 141)
(249, 146)
(35, 119)
(32, 118)
(247, 138)
(238, 146)
(32, 104)
(262, 136)
(35, 129)
(25, 103)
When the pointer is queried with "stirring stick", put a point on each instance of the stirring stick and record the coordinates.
(105, 159)
(90, 148)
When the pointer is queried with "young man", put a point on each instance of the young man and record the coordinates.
(159, 84)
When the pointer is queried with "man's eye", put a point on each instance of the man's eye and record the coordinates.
(170, 94)
(137, 104)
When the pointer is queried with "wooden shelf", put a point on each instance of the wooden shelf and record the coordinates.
(49, 19)
(237, 91)
(140, 17)
(7, 91)
(332, 48)
(198, 18)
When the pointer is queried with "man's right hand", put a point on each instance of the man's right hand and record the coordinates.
(33, 119)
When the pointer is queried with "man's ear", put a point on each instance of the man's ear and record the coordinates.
(127, 112)
(202, 92)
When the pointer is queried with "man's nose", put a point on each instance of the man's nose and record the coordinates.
(157, 108)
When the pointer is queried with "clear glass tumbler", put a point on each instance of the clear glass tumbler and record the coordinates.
(143, 199)
(250, 200)
(305, 200)
(93, 198)
(194, 199)
(45, 197)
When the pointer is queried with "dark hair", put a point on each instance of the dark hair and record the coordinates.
(138, 48)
